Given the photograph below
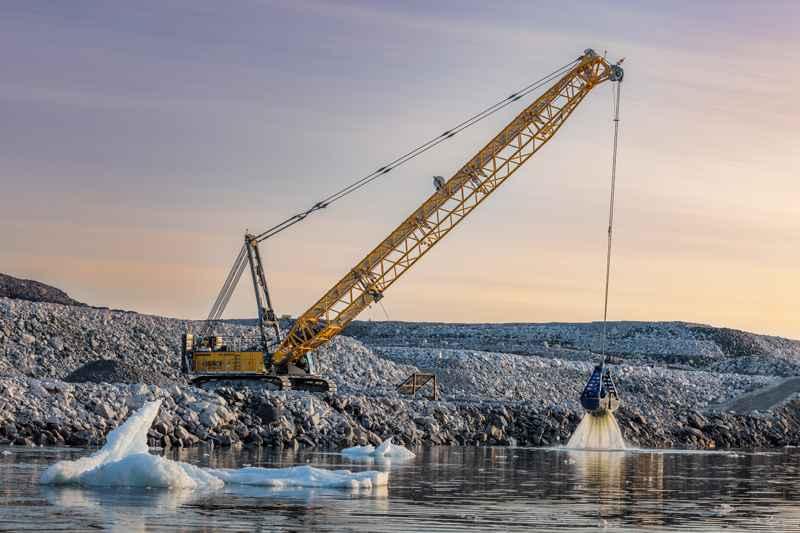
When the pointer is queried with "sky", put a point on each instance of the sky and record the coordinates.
(140, 140)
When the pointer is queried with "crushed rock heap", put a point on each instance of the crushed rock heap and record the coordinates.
(117, 360)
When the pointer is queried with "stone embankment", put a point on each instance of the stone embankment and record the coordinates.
(70, 374)
(53, 412)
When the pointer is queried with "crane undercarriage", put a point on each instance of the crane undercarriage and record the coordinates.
(212, 361)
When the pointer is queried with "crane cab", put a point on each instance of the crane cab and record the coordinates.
(211, 356)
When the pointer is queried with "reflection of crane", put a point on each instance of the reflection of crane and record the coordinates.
(287, 360)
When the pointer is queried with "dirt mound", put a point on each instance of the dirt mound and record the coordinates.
(34, 291)
(113, 371)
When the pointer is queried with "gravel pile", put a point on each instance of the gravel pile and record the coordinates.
(45, 340)
(662, 341)
(357, 369)
(120, 359)
(655, 391)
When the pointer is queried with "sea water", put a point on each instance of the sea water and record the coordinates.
(442, 489)
(387, 450)
(597, 432)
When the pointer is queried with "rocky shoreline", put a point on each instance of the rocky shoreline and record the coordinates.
(55, 413)
(55, 361)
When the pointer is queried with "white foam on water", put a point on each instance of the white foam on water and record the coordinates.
(386, 450)
(597, 433)
(125, 461)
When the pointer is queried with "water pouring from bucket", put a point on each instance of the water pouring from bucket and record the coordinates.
(598, 429)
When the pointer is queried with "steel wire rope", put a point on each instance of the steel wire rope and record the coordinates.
(224, 296)
(419, 150)
(237, 269)
(228, 281)
(616, 97)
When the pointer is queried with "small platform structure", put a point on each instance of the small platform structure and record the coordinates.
(418, 380)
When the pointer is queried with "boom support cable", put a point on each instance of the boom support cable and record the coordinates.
(419, 150)
(611, 215)
(238, 267)
(228, 287)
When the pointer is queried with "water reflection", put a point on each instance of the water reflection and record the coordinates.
(443, 489)
(118, 509)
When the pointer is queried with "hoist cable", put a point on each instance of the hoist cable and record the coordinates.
(611, 214)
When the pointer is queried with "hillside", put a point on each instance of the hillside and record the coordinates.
(679, 344)
(524, 377)
(34, 291)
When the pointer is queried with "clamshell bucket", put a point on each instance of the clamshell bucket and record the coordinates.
(600, 395)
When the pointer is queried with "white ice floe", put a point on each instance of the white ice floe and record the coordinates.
(302, 476)
(386, 450)
(125, 461)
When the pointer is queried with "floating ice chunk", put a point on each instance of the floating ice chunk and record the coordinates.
(303, 476)
(145, 470)
(128, 439)
(386, 450)
(125, 461)
(6, 452)
(360, 451)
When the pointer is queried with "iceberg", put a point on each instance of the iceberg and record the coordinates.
(386, 450)
(125, 461)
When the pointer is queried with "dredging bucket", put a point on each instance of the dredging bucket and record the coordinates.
(600, 395)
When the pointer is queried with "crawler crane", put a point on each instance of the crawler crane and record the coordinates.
(286, 360)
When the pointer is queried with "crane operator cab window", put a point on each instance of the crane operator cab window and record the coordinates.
(308, 364)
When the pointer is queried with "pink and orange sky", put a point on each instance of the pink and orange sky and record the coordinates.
(141, 139)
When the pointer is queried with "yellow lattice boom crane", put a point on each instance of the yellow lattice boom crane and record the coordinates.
(288, 362)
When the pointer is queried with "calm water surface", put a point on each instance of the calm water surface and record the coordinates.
(443, 489)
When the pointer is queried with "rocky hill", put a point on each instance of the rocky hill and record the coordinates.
(53, 341)
(34, 291)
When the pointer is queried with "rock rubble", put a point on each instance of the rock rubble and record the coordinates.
(42, 412)
(69, 375)
(660, 343)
